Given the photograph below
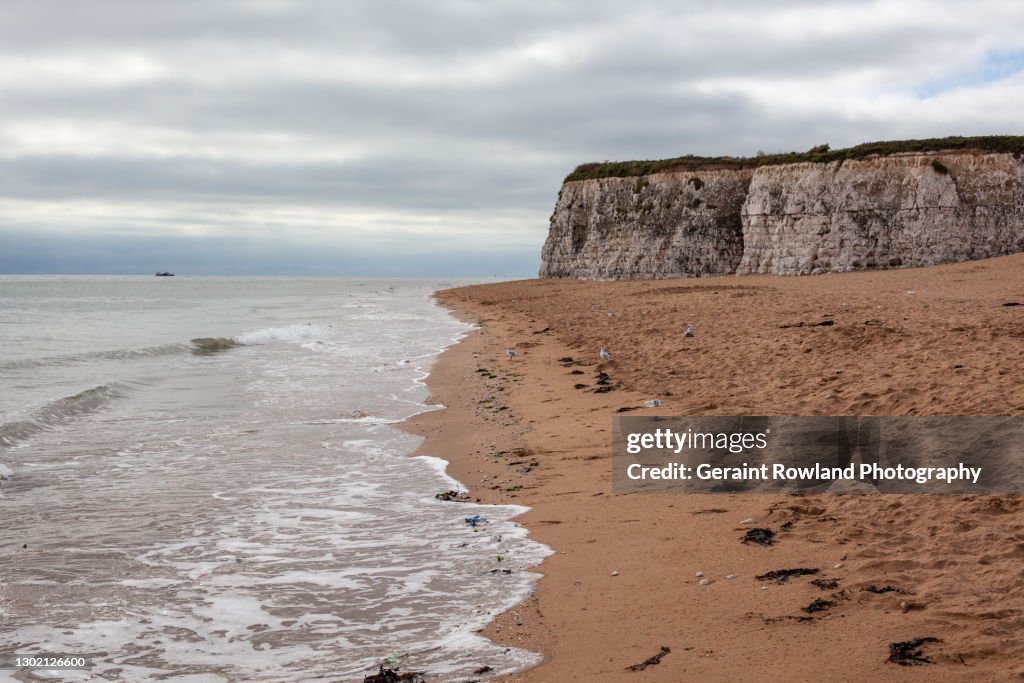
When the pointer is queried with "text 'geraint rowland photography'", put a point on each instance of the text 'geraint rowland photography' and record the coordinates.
(818, 454)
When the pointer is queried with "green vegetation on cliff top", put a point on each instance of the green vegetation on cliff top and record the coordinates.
(1013, 144)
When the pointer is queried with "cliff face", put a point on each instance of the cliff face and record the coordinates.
(899, 210)
(661, 225)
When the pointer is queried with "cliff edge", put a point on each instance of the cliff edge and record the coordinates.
(900, 209)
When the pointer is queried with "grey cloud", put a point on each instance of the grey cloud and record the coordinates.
(647, 80)
(396, 183)
(389, 25)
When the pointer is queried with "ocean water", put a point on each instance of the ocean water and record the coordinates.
(240, 508)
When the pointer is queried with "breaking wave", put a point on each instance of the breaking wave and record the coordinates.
(291, 333)
(204, 346)
(75, 358)
(200, 346)
(58, 412)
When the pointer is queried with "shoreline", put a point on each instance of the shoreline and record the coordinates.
(623, 582)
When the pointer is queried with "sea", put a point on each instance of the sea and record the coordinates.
(202, 479)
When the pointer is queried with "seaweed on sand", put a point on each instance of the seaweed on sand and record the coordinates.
(759, 536)
(650, 661)
(909, 653)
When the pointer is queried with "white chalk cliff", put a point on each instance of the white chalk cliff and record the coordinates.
(908, 209)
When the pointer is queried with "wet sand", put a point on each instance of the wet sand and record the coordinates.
(623, 580)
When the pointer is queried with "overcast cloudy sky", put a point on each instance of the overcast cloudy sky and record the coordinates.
(393, 136)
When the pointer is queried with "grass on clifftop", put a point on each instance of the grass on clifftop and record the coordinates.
(1013, 144)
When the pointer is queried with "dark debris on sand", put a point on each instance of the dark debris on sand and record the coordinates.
(453, 496)
(759, 536)
(823, 323)
(826, 584)
(786, 618)
(650, 661)
(392, 676)
(909, 653)
(883, 589)
(819, 605)
(782, 575)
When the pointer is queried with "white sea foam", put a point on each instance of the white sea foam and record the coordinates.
(251, 515)
(290, 333)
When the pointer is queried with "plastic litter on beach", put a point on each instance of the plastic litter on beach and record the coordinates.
(653, 403)
(475, 519)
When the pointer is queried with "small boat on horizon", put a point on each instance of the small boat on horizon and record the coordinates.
(165, 274)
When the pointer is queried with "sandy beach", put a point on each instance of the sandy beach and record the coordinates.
(625, 577)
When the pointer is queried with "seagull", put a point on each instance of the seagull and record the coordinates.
(689, 331)
(605, 355)
(510, 352)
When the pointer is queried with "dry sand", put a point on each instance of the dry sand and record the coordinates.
(934, 341)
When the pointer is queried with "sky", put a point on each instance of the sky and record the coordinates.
(393, 137)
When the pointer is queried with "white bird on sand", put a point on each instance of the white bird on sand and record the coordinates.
(605, 355)
(689, 331)
(510, 352)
